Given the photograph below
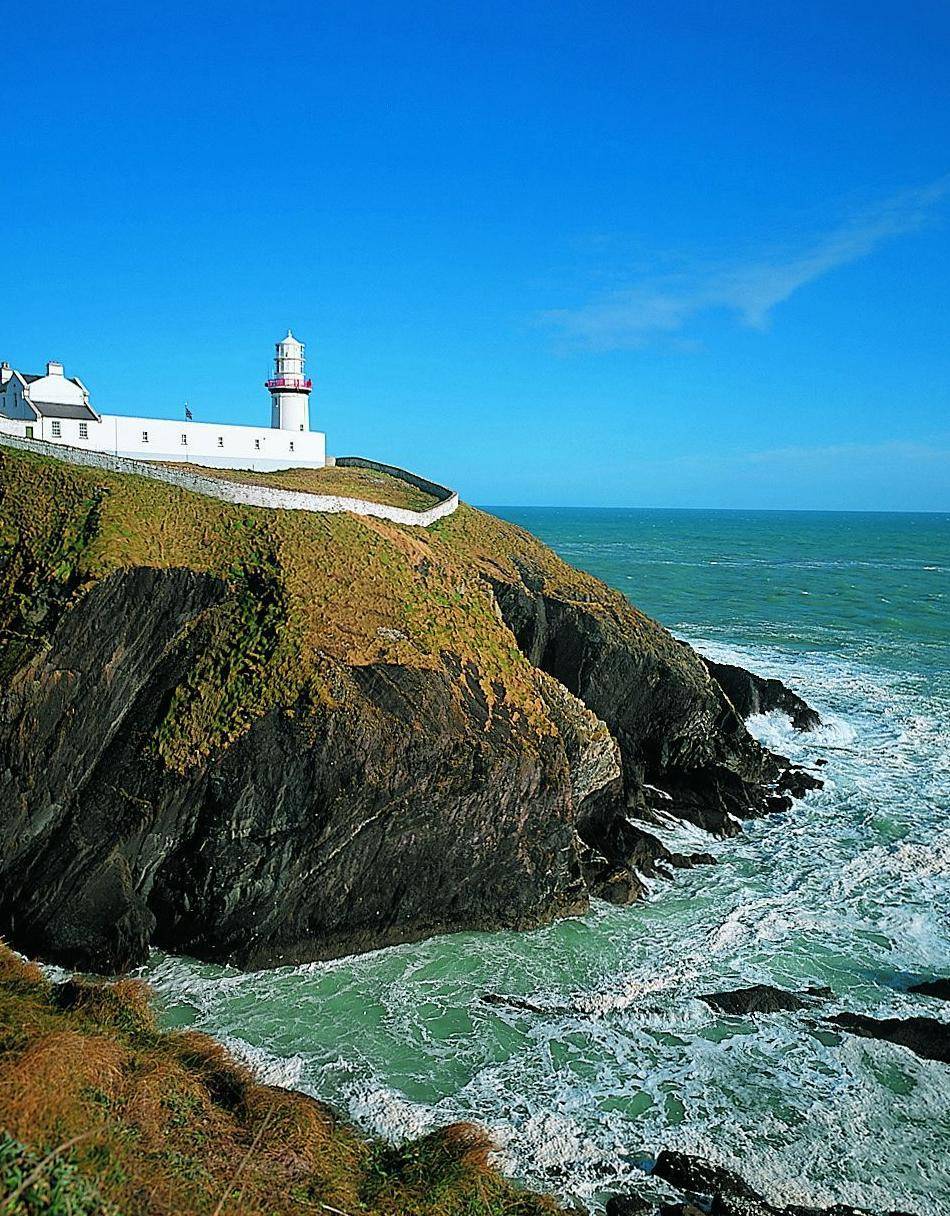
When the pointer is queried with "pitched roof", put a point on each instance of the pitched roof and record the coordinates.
(53, 409)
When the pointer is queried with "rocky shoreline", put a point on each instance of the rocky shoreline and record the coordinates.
(690, 1186)
(261, 739)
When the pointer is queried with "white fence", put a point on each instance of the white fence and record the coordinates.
(256, 495)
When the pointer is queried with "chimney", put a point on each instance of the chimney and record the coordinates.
(5, 372)
(54, 369)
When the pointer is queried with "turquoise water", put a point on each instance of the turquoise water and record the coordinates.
(850, 889)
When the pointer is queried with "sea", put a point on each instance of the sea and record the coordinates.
(617, 1057)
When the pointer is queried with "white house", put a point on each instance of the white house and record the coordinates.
(56, 408)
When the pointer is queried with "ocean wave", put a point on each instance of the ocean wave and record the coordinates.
(611, 1055)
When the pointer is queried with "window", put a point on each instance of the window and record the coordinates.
(29, 432)
(220, 441)
(257, 444)
(301, 426)
(145, 436)
(291, 445)
(84, 430)
(56, 429)
(184, 440)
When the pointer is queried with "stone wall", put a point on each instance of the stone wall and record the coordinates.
(253, 495)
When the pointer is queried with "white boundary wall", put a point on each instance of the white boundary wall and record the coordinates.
(251, 495)
(220, 445)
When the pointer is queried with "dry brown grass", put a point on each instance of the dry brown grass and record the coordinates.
(156, 1123)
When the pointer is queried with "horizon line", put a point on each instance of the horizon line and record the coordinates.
(725, 510)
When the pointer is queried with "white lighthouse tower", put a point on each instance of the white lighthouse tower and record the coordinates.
(289, 388)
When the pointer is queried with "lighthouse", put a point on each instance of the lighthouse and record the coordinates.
(289, 388)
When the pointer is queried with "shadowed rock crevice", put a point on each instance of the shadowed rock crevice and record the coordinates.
(259, 737)
(752, 694)
(683, 746)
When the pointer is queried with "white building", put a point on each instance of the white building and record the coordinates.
(56, 408)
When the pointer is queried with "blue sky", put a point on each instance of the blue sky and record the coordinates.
(646, 254)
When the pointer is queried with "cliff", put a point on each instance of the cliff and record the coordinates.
(261, 736)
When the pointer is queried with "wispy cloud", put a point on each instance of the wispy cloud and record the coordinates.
(663, 305)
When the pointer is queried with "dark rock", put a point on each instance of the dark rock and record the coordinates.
(166, 780)
(752, 694)
(761, 998)
(926, 1037)
(271, 850)
(629, 1205)
(694, 1176)
(797, 781)
(676, 729)
(938, 988)
(717, 1191)
(686, 861)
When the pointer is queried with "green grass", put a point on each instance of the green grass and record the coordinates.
(306, 593)
(369, 484)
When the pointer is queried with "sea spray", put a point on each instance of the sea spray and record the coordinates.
(616, 1055)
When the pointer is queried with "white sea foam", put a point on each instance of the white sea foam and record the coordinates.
(616, 1055)
(267, 1067)
(387, 1113)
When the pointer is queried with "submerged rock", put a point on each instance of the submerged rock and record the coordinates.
(712, 1190)
(926, 1037)
(938, 988)
(517, 1002)
(763, 998)
(629, 1205)
(752, 694)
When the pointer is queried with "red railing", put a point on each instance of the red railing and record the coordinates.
(288, 382)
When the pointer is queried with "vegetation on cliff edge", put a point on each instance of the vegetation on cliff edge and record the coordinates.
(307, 591)
(101, 1112)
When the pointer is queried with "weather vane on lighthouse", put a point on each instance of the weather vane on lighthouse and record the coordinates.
(289, 388)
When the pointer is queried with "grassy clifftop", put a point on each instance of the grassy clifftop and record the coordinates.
(207, 704)
(101, 1114)
(370, 484)
(307, 589)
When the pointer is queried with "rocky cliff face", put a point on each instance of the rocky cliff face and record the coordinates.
(257, 738)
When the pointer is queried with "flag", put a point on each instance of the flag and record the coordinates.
(188, 415)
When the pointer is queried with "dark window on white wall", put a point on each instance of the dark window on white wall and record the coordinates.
(56, 429)
(220, 441)
(257, 444)
(184, 440)
(84, 430)
(145, 436)
(291, 445)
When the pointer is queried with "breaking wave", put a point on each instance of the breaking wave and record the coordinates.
(610, 1055)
